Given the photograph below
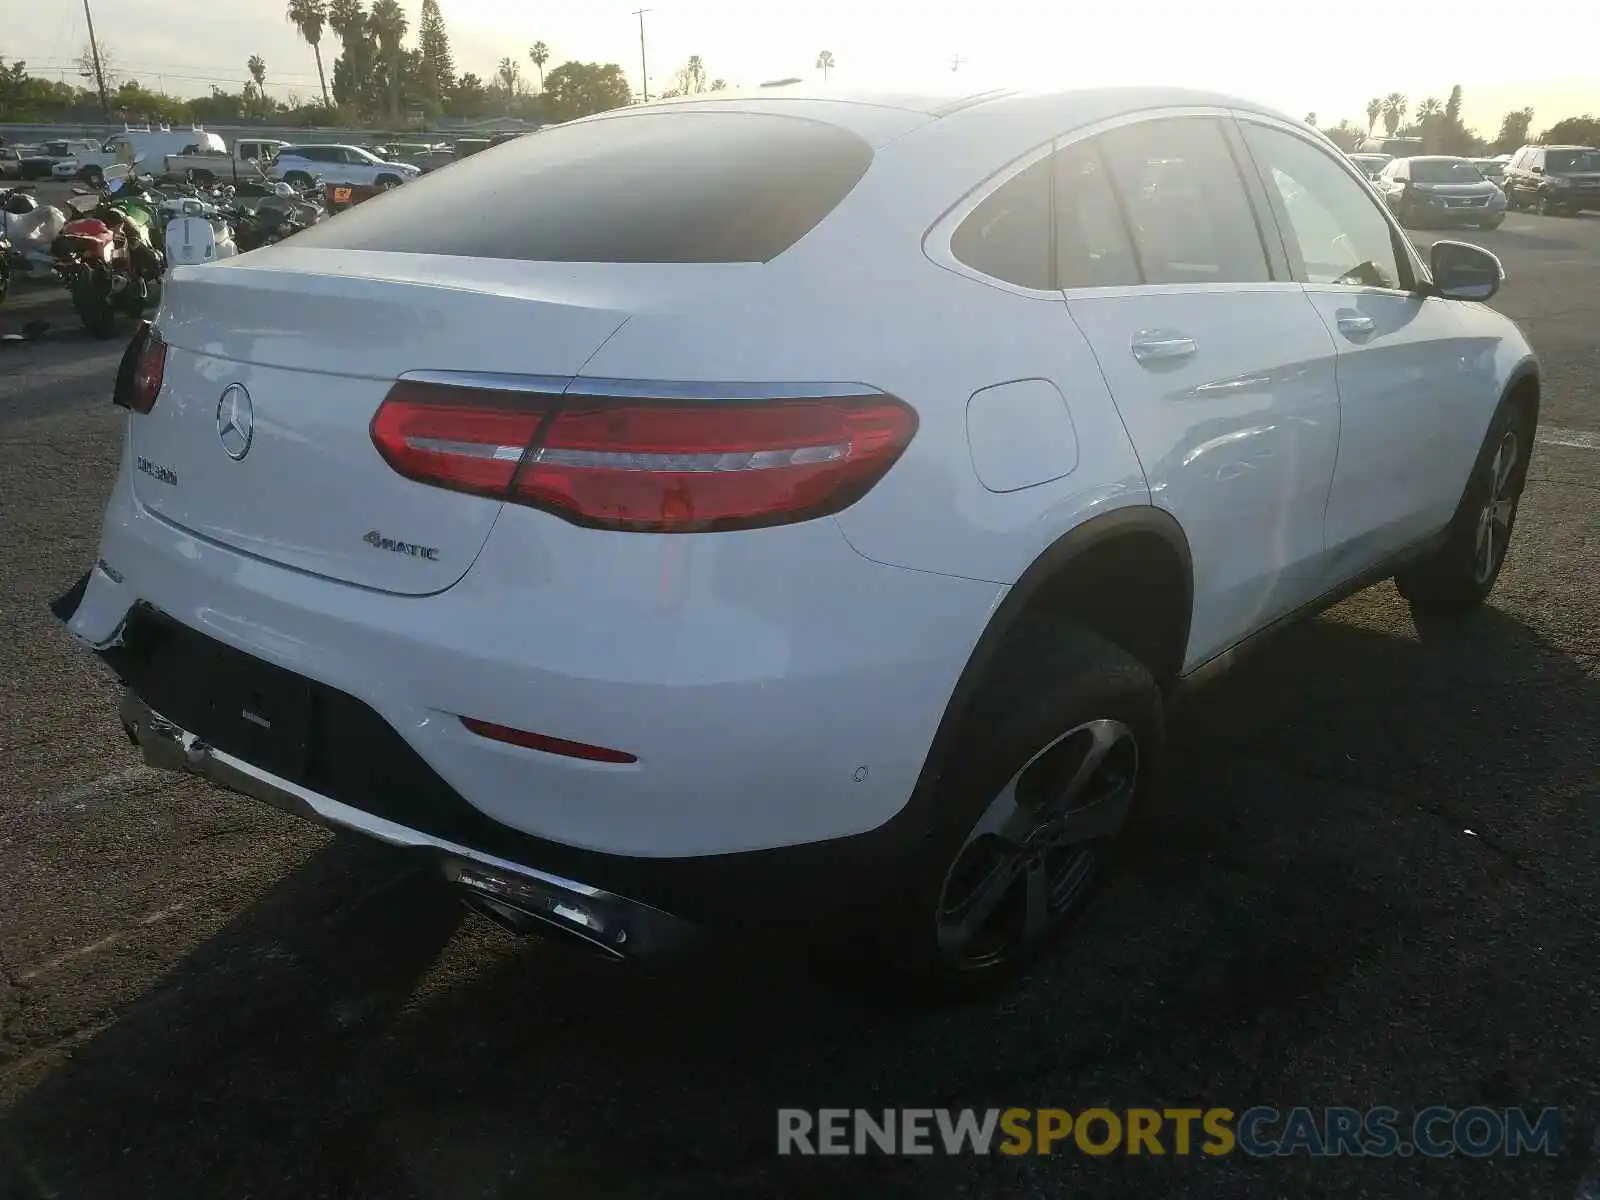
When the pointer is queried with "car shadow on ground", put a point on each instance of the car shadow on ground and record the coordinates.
(396, 1047)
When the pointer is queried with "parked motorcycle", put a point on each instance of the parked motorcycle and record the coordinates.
(108, 258)
(31, 228)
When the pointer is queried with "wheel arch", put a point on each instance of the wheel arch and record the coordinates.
(1126, 575)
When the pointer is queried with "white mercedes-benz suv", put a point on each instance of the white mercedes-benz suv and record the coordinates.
(789, 511)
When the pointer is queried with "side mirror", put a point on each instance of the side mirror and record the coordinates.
(1464, 272)
(1536, 170)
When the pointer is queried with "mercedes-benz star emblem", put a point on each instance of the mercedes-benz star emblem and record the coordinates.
(236, 421)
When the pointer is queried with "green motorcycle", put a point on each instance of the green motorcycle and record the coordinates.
(109, 256)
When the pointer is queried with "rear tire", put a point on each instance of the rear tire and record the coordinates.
(1058, 748)
(298, 179)
(1459, 576)
(388, 182)
(91, 300)
(93, 176)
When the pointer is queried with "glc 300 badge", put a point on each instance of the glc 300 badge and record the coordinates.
(378, 542)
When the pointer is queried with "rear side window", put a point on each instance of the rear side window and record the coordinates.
(671, 187)
(1186, 202)
(1007, 236)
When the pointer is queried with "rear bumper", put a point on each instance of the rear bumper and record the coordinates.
(781, 694)
(611, 924)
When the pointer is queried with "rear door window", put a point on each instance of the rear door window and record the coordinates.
(1185, 201)
(660, 187)
(1092, 244)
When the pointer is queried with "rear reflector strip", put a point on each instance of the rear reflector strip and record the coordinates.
(548, 745)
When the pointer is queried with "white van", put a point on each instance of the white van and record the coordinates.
(152, 145)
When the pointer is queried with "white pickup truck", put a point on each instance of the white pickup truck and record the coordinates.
(209, 163)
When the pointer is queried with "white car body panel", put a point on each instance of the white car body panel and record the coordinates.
(1237, 441)
(779, 685)
(646, 644)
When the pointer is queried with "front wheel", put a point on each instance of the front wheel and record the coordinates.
(92, 176)
(388, 182)
(298, 179)
(1460, 575)
(1059, 747)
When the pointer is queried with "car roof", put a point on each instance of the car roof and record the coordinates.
(1438, 158)
(1566, 147)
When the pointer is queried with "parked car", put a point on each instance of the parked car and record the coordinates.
(339, 164)
(1394, 147)
(40, 163)
(466, 147)
(649, 581)
(1439, 190)
(1559, 181)
(10, 163)
(1372, 165)
(1492, 169)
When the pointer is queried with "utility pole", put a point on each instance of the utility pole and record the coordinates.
(644, 70)
(94, 53)
(955, 63)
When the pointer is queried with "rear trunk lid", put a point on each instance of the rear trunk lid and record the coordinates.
(277, 361)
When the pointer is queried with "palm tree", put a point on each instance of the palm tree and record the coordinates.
(257, 67)
(540, 54)
(1431, 107)
(347, 19)
(310, 17)
(1374, 111)
(825, 63)
(1394, 111)
(389, 27)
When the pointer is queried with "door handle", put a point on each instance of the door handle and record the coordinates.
(1354, 323)
(1149, 346)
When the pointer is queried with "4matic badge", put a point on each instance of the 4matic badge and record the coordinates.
(378, 542)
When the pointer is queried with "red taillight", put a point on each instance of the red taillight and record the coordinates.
(144, 365)
(664, 466)
(464, 439)
(549, 745)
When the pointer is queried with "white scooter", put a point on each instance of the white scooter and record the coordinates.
(32, 227)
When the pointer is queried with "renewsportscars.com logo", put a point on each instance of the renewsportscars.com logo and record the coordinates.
(1261, 1132)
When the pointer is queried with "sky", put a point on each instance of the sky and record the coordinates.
(1289, 54)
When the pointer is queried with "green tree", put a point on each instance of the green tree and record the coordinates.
(470, 98)
(1394, 111)
(354, 82)
(1374, 111)
(310, 18)
(438, 63)
(689, 80)
(539, 54)
(1514, 128)
(1430, 107)
(389, 25)
(1573, 131)
(1346, 135)
(825, 64)
(1452, 108)
(509, 74)
(1311, 119)
(577, 89)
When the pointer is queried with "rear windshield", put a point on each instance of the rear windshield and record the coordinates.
(1444, 170)
(664, 187)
